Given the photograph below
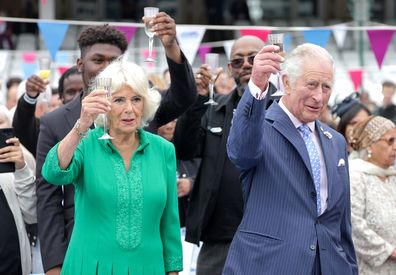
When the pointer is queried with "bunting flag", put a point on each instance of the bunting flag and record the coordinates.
(53, 35)
(379, 41)
(43, 2)
(340, 34)
(286, 42)
(63, 58)
(129, 31)
(227, 48)
(189, 40)
(149, 65)
(262, 34)
(63, 68)
(28, 69)
(356, 77)
(29, 57)
(202, 51)
(318, 37)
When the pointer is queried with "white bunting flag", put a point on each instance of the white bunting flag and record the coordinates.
(189, 40)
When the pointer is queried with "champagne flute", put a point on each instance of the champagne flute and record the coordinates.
(104, 83)
(149, 13)
(278, 40)
(212, 59)
(44, 73)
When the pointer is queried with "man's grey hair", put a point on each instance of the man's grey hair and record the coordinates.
(294, 62)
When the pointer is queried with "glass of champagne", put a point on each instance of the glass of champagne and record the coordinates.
(44, 73)
(149, 13)
(212, 59)
(104, 83)
(278, 40)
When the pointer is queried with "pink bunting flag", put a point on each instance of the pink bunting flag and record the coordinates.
(63, 69)
(43, 2)
(356, 77)
(379, 41)
(262, 34)
(29, 57)
(202, 51)
(150, 65)
(129, 31)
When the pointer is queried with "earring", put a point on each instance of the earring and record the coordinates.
(369, 153)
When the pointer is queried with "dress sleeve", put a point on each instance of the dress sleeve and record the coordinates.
(170, 224)
(371, 247)
(57, 176)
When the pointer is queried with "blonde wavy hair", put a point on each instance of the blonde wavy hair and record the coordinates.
(127, 74)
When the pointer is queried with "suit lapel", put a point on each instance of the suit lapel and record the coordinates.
(72, 111)
(282, 123)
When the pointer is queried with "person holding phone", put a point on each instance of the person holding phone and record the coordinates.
(17, 201)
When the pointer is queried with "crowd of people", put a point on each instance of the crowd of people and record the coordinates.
(264, 183)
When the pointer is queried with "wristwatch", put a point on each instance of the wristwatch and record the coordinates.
(80, 133)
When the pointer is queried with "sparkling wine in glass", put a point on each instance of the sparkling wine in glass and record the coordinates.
(278, 40)
(212, 59)
(149, 13)
(104, 83)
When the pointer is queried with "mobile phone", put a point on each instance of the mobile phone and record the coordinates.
(6, 133)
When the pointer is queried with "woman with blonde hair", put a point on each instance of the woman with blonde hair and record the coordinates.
(126, 215)
(373, 195)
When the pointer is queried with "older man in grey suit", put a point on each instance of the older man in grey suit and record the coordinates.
(294, 171)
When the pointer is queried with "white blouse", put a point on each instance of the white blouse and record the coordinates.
(373, 216)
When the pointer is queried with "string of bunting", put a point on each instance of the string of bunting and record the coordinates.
(190, 36)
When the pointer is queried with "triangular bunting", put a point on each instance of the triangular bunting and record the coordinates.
(129, 31)
(28, 69)
(287, 42)
(318, 37)
(62, 69)
(227, 47)
(202, 51)
(43, 2)
(189, 40)
(340, 34)
(356, 77)
(29, 57)
(262, 34)
(379, 41)
(149, 65)
(53, 35)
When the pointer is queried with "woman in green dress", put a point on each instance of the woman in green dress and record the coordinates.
(126, 213)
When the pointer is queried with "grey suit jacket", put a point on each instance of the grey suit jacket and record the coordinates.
(280, 232)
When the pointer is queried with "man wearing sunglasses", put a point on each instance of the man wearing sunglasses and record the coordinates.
(216, 204)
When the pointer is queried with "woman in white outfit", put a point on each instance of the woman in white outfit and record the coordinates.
(373, 195)
(17, 205)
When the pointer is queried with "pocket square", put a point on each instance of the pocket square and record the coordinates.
(341, 163)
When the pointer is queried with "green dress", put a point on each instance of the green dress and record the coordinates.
(125, 222)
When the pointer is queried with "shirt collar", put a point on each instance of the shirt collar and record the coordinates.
(297, 123)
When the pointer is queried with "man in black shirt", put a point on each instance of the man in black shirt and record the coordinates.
(216, 205)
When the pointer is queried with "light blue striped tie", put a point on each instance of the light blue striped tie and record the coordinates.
(314, 159)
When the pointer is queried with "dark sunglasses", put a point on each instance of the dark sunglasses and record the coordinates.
(238, 62)
(390, 141)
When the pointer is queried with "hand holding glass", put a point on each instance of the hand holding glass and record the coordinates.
(149, 13)
(212, 60)
(44, 73)
(104, 84)
(278, 40)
